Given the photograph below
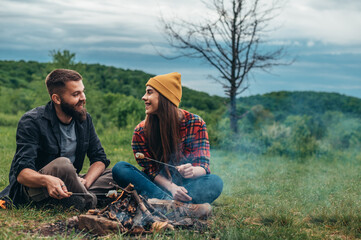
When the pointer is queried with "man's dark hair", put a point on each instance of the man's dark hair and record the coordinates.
(55, 81)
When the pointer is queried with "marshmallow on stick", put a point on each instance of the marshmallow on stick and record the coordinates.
(139, 155)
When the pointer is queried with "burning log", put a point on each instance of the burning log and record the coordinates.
(133, 214)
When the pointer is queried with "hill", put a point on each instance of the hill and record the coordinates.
(114, 93)
(304, 103)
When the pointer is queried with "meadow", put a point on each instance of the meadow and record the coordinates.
(264, 197)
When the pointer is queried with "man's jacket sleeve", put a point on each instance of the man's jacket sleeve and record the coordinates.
(27, 145)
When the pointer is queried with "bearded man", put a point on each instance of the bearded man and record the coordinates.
(52, 141)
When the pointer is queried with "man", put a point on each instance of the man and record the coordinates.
(52, 141)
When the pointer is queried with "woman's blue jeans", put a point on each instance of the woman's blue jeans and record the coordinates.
(204, 189)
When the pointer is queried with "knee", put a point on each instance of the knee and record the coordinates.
(62, 165)
(216, 184)
(120, 170)
(60, 162)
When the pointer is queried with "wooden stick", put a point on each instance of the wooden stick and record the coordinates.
(153, 208)
(141, 205)
(139, 155)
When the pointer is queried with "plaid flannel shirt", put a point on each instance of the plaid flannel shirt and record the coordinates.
(194, 144)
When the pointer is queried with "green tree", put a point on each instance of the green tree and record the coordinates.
(64, 59)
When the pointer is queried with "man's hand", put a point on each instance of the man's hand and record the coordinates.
(56, 187)
(83, 181)
(32, 179)
(95, 170)
(180, 193)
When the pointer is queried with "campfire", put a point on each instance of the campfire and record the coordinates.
(131, 213)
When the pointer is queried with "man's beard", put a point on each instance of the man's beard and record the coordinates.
(70, 110)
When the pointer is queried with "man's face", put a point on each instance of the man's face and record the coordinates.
(73, 100)
(151, 99)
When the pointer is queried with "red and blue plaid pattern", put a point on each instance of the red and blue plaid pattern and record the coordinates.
(194, 144)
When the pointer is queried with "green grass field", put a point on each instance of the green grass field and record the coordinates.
(263, 198)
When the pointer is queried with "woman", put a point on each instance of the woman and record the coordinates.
(172, 147)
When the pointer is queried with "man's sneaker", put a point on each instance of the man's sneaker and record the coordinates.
(202, 211)
(77, 202)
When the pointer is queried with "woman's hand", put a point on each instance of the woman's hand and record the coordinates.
(189, 171)
(186, 170)
(180, 193)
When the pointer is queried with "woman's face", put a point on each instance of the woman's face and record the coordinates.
(151, 99)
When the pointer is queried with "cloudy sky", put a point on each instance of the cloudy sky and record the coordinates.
(324, 36)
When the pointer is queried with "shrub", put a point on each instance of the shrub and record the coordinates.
(303, 143)
(9, 120)
(294, 138)
(259, 116)
(345, 133)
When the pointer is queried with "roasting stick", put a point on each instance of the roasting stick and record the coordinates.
(83, 194)
(139, 155)
(110, 194)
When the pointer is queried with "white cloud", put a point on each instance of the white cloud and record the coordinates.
(310, 43)
(328, 21)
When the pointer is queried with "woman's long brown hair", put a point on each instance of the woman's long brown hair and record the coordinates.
(162, 132)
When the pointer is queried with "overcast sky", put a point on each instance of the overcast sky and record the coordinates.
(323, 35)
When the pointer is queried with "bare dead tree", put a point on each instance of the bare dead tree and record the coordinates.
(232, 42)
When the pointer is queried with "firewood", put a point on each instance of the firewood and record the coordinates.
(159, 226)
(103, 210)
(93, 211)
(138, 218)
(128, 189)
(131, 213)
(141, 205)
(131, 209)
(128, 223)
(99, 225)
(154, 210)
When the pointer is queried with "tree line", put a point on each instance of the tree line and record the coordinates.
(280, 123)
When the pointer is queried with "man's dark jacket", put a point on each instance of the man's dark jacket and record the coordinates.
(38, 143)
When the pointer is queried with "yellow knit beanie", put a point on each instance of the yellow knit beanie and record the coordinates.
(169, 85)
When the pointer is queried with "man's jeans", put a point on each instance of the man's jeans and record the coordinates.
(204, 189)
(62, 168)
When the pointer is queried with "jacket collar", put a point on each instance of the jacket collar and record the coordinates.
(50, 113)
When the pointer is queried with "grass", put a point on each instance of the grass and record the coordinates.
(291, 200)
(263, 197)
